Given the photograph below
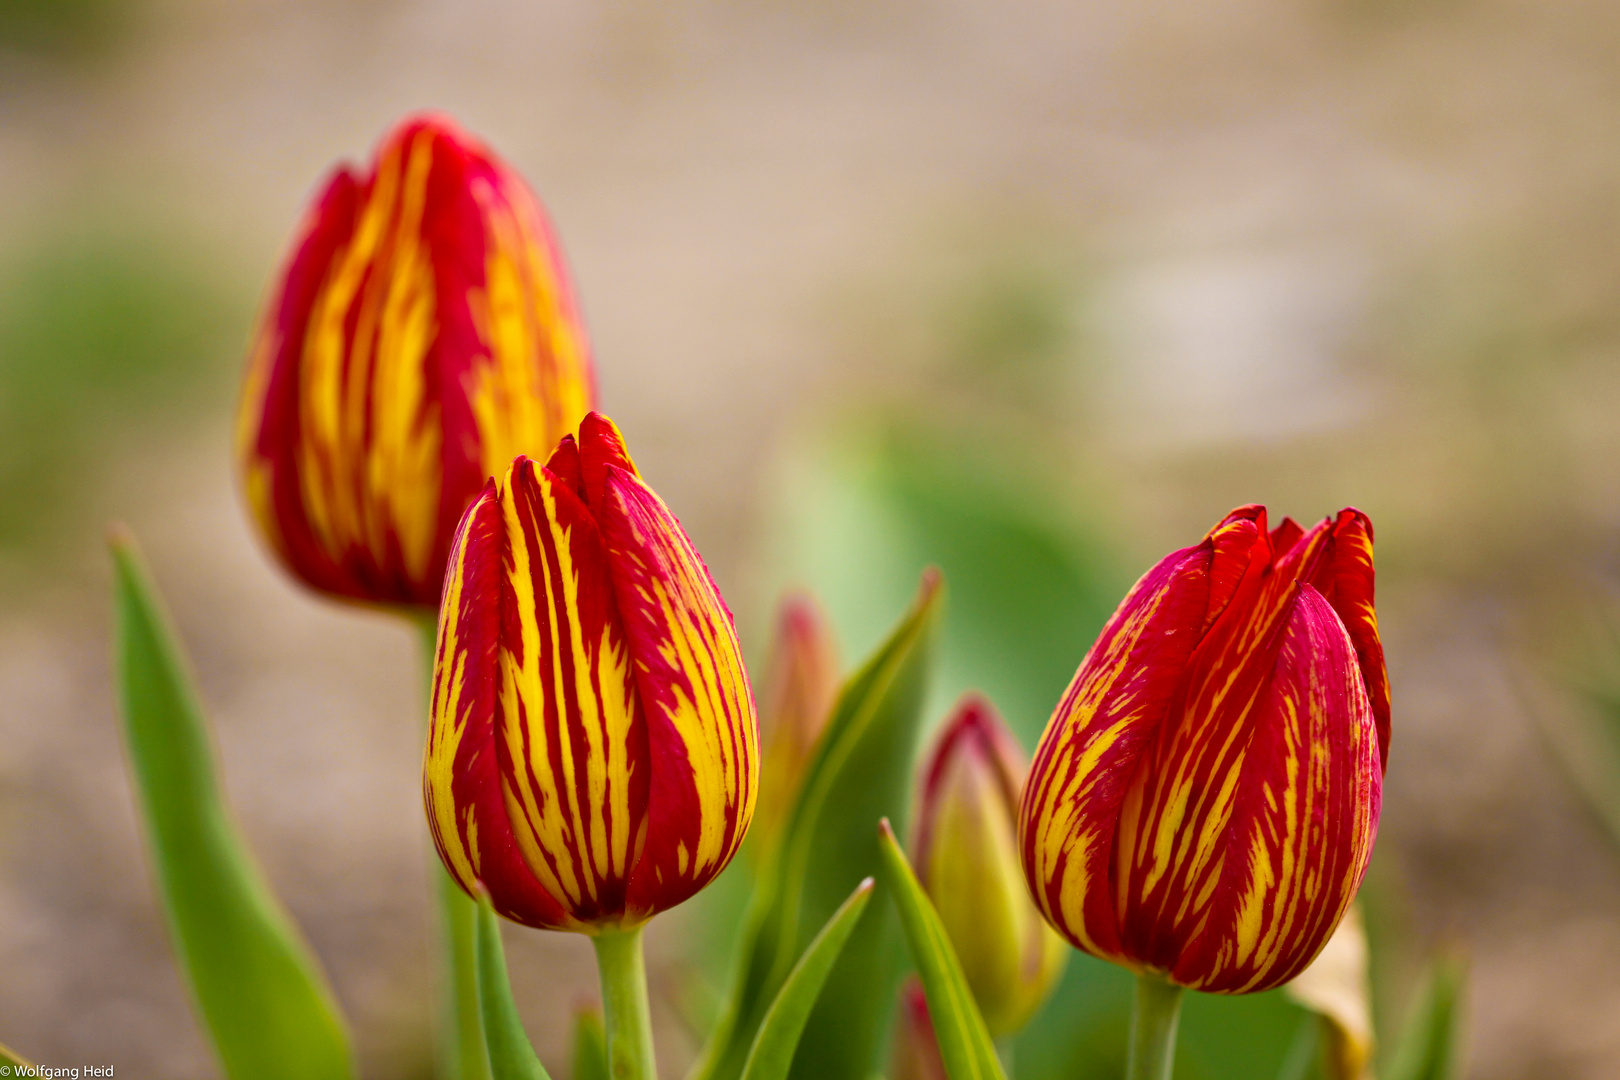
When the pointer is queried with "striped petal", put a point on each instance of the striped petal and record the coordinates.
(461, 782)
(1346, 580)
(1304, 819)
(701, 727)
(572, 752)
(423, 335)
(1107, 718)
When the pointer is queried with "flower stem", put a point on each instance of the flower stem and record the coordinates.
(1153, 1028)
(624, 1004)
(462, 1054)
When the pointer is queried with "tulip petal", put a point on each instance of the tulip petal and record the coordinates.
(1347, 583)
(460, 776)
(701, 727)
(573, 749)
(1108, 716)
(424, 334)
(1304, 817)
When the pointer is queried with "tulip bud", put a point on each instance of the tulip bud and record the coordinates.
(915, 1054)
(591, 754)
(801, 683)
(1205, 799)
(966, 852)
(423, 334)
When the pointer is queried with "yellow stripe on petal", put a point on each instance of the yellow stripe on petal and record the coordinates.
(574, 776)
(702, 730)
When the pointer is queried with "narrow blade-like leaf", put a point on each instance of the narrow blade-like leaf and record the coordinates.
(590, 1046)
(1430, 1045)
(510, 1055)
(264, 998)
(964, 1041)
(861, 771)
(9, 1057)
(772, 1054)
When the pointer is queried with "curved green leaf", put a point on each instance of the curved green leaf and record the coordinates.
(590, 1046)
(510, 1055)
(264, 998)
(861, 771)
(7, 1057)
(964, 1041)
(1430, 1045)
(772, 1053)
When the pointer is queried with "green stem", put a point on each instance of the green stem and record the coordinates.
(1153, 1028)
(624, 1004)
(462, 1054)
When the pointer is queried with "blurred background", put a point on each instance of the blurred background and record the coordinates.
(1036, 291)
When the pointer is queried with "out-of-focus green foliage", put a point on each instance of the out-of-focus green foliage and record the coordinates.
(590, 1056)
(64, 28)
(1430, 1046)
(510, 1055)
(964, 1041)
(1031, 584)
(263, 996)
(100, 336)
(7, 1057)
(861, 772)
(771, 1056)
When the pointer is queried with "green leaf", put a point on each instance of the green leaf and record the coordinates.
(590, 1046)
(264, 998)
(772, 1054)
(510, 1055)
(1430, 1045)
(964, 1041)
(8, 1057)
(861, 772)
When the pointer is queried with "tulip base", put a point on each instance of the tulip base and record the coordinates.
(624, 1004)
(1153, 1028)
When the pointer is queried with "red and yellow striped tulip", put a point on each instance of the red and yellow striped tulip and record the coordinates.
(591, 756)
(966, 853)
(1205, 798)
(423, 333)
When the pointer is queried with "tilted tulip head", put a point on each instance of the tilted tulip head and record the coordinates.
(591, 754)
(966, 852)
(800, 685)
(1205, 798)
(422, 334)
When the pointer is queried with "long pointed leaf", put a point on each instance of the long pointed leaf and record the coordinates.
(510, 1055)
(266, 1003)
(1430, 1045)
(861, 772)
(9, 1057)
(590, 1046)
(772, 1054)
(964, 1041)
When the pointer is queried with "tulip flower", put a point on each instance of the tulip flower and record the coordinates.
(591, 755)
(1203, 804)
(1205, 798)
(422, 334)
(801, 683)
(966, 853)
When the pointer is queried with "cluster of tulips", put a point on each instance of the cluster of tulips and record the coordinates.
(418, 432)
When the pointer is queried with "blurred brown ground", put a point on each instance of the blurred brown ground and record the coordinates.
(1349, 251)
